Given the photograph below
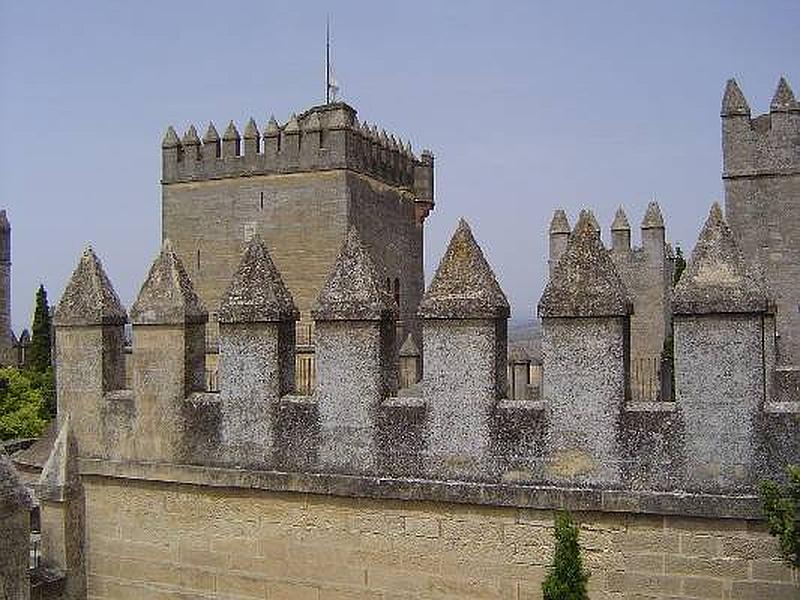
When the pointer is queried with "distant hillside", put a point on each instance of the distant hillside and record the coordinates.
(526, 333)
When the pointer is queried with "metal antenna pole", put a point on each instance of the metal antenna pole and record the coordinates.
(328, 59)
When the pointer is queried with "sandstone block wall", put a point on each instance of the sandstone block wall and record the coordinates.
(158, 540)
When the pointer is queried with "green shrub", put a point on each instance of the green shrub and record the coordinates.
(566, 578)
(23, 411)
(781, 505)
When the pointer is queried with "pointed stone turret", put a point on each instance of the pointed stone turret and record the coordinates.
(733, 101)
(620, 232)
(585, 282)
(167, 295)
(89, 298)
(292, 126)
(170, 139)
(257, 292)
(89, 323)
(409, 348)
(620, 221)
(191, 144)
(590, 216)
(353, 291)
(168, 356)
(211, 136)
(409, 362)
(4, 224)
(212, 149)
(272, 127)
(783, 100)
(272, 136)
(464, 308)
(355, 334)
(231, 142)
(724, 352)
(653, 217)
(717, 279)
(231, 133)
(559, 235)
(464, 286)
(59, 476)
(252, 139)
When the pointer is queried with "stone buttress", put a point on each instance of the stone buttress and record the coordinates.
(465, 335)
(89, 323)
(585, 331)
(355, 327)
(168, 356)
(15, 506)
(257, 338)
(724, 353)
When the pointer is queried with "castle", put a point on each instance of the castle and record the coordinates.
(167, 490)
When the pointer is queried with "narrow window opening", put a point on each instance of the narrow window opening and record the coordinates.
(262, 201)
(388, 285)
(397, 291)
(219, 150)
(198, 259)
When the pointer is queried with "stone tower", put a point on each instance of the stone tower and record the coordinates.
(6, 336)
(300, 186)
(761, 174)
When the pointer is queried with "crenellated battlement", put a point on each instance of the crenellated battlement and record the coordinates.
(766, 144)
(321, 138)
(456, 424)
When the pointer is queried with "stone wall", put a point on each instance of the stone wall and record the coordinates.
(162, 540)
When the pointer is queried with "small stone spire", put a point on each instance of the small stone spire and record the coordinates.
(717, 279)
(190, 138)
(167, 295)
(251, 130)
(257, 292)
(620, 221)
(409, 348)
(354, 290)
(653, 218)
(783, 100)
(231, 133)
(211, 136)
(89, 298)
(59, 475)
(170, 139)
(559, 222)
(733, 101)
(272, 128)
(464, 286)
(4, 224)
(585, 282)
(13, 493)
(292, 126)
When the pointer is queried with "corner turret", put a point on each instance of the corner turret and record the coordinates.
(620, 232)
(559, 236)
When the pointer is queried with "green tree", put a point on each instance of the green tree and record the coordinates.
(680, 266)
(22, 407)
(781, 506)
(566, 578)
(39, 351)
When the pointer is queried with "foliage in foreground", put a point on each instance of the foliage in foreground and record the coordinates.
(781, 505)
(23, 410)
(566, 578)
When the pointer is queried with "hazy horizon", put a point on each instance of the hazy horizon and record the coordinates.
(527, 107)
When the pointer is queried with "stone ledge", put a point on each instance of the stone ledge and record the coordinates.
(782, 407)
(530, 406)
(777, 172)
(650, 406)
(404, 402)
(493, 494)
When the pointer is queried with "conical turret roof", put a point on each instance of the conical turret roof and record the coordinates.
(190, 138)
(620, 221)
(89, 298)
(59, 474)
(585, 282)
(783, 100)
(257, 292)
(464, 286)
(251, 130)
(231, 133)
(559, 222)
(717, 279)
(167, 295)
(211, 135)
(170, 138)
(354, 290)
(409, 348)
(272, 128)
(653, 219)
(733, 101)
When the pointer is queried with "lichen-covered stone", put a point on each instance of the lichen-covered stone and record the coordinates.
(353, 291)
(733, 101)
(717, 279)
(13, 493)
(167, 295)
(257, 292)
(170, 138)
(59, 475)
(653, 219)
(783, 100)
(464, 286)
(89, 298)
(620, 221)
(585, 282)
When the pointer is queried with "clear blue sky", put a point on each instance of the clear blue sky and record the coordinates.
(528, 106)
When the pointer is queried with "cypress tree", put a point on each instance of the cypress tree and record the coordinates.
(566, 578)
(39, 351)
(680, 265)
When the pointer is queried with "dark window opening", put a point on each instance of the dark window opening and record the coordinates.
(262, 200)
(198, 259)
(397, 291)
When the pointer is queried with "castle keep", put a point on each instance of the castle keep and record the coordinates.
(300, 186)
(445, 489)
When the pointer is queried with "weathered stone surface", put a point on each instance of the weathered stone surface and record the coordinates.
(257, 292)
(585, 282)
(559, 222)
(13, 493)
(353, 290)
(783, 100)
(620, 221)
(464, 286)
(733, 101)
(211, 136)
(409, 348)
(170, 138)
(89, 298)
(167, 295)
(59, 475)
(717, 279)
(653, 219)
